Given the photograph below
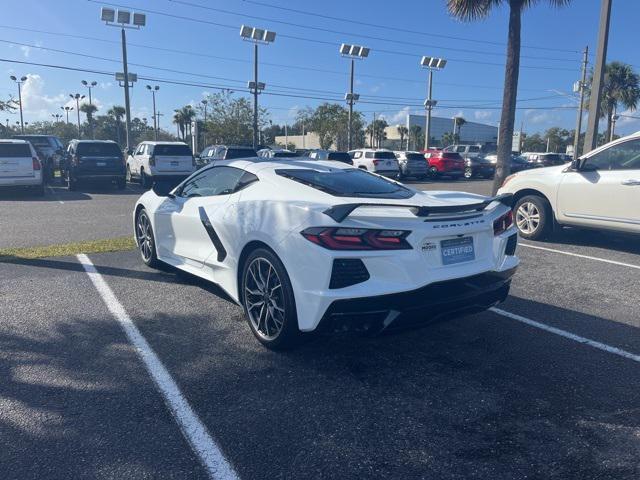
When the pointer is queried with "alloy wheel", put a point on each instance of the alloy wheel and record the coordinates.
(528, 218)
(144, 236)
(264, 299)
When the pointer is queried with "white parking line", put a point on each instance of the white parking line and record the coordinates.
(588, 257)
(569, 335)
(192, 427)
(53, 192)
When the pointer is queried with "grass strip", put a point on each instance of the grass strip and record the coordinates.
(67, 249)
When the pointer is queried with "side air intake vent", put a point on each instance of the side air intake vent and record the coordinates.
(512, 242)
(348, 271)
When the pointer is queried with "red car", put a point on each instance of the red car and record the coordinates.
(444, 164)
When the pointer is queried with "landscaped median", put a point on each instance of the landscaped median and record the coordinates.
(68, 249)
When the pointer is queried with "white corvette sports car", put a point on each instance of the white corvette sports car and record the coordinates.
(309, 245)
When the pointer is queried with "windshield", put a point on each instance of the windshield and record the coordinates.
(348, 183)
(14, 150)
(172, 150)
(99, 149)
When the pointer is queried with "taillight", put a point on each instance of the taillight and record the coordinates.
(36, 163)
(357, 238)
(503, 223)
(376, 162)
(152, 161)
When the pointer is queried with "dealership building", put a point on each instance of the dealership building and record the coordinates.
(470, 132)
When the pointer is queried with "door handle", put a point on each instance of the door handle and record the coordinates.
(631, 182)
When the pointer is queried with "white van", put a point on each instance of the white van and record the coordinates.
(20, 166)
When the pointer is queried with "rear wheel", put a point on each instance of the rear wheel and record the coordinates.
(468, 172)
(145, 240)
(533, 217)
(145, 181)
(433, 172)
(268, 301)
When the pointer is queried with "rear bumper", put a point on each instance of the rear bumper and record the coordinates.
(447, 299)
(34, 181)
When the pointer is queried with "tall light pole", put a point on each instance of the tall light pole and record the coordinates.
(352, 52)
(591, 135)
(19, 82)
(580, 86)
(67, 109)
(204, 126)
(123, 20)
(89, 86)
(257, 36)
(432, 64)
(57, 116)
(77, 97)
(153, 91)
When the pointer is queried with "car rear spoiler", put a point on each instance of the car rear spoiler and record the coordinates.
(340, 212)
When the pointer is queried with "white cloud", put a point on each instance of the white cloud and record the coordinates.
(26, 51)
(400, 117)
(293, 111)
(482, 115)
(36, 103)
(105, 85)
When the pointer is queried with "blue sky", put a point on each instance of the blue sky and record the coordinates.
(310, 65)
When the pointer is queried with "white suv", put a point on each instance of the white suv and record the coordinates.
(173, 160)
(20, 166)
(377, 160)
(601, 190)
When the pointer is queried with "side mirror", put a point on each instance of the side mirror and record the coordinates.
(575, 165)
(163, 188)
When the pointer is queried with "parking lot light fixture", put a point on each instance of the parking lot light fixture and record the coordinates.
(352, 52)
(256, 36)
(19, 82)
(432, 63)
(77, 98)
(67, 109)
(153, 91)
(123, 19)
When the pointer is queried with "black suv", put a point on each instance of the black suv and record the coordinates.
(100, 160)
(50, 151)
(224, 152)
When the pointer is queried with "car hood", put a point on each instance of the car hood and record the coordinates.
(542, 172)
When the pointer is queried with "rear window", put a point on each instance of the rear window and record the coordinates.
(348, 183)
(14, 150)
(415, 156)
(385, 155)
(172, 150)
(99, 149)
(339, 156)
(240, 153)
(36, 141)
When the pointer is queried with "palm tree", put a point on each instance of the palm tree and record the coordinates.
(117, 112)
(469, 10)
(414, 132)
(621, 87)
(458, 122)
(402, 131)
(183, 117)
(89, 109)
(448, 138)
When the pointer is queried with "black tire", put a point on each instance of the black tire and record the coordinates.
(288, 334)
(145, 240)
(533, 217)
(39, 190)
(145, 181)
(433, 172)
(121, 183)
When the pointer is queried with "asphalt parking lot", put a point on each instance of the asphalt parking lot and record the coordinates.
(511, 393)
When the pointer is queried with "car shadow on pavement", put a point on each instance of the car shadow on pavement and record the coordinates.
(621, 242)
(22, 195)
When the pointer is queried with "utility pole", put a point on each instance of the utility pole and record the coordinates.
(582, 86)
(352, 52)
(89, 86)
(204, 126)
(78, 97)
(127, 103)
(432, 64)
(153, 91)
(19, 82)
(591, 135)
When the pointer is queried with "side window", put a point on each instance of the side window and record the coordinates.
(139, 150)
(460, 149)
(368, 154)
(358, 155)
(474, 149)
(624, 156)
(212, 182)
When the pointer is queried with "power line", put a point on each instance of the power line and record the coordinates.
(355, 34)
(352, 21)
(322, 42)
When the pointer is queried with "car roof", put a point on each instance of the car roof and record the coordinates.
(92, 141)
(12, 140)
(153, 142)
